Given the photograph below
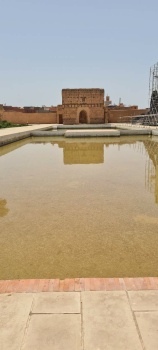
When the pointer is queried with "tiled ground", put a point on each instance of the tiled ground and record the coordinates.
(106, 320)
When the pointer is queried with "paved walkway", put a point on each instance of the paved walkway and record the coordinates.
(8, 135)
(15, 130)
(79, 314)
(109, 320)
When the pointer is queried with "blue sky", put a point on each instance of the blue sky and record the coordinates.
(47, 45)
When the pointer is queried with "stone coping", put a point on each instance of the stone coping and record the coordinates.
(92, 133)
(78, 285)
(10, 135)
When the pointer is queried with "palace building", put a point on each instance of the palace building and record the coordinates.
(82, 106)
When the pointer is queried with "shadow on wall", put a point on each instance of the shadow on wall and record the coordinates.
(3, 210)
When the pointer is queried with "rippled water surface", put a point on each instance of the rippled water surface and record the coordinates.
(79, 208)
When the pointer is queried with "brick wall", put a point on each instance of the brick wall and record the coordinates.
(29, 118)
(97, 115)
(122, 116)
(82, 96)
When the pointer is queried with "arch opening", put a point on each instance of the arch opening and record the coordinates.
(83, 119)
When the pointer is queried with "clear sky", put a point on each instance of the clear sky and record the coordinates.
(47, 45)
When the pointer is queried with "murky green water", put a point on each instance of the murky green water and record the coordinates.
(79, 208)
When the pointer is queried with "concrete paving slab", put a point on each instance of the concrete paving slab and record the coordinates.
(93, 133)
(46, 133)
(14, 313)
(53, 332)
(57, 303)
(135, 132)
(155, 132)
(148, 326)
(144, 300)
(84, 126)
(108, 322)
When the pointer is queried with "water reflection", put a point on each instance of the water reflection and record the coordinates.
(152, 167)
(87, 152)
(83, 153)
(91, 151)
(3, 209)
(13, 146)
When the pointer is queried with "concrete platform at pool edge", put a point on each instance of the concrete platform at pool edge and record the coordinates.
(9, 135)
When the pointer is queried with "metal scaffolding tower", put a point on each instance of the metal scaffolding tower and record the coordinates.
(152, 117)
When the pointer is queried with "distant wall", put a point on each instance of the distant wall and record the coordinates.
(71, 116)
(29, 118)
(123, 116)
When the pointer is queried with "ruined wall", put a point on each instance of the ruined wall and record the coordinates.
(74, 101)
(82, 96)
(97, 115)
(69, 115)
(124, 115)
(29, 118)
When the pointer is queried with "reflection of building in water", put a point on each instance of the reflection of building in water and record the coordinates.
(83, 152)
(88, 152)
(92, 152)
(152, 167)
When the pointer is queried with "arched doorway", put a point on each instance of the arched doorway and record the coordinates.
(83, 117)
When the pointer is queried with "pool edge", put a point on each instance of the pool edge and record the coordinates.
(78, 285)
